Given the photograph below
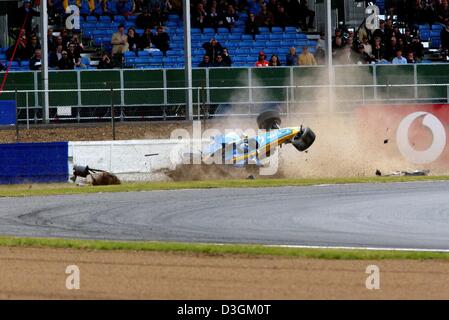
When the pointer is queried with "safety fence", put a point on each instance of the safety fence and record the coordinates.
(161, 93)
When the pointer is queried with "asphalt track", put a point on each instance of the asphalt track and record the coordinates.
(389, 215)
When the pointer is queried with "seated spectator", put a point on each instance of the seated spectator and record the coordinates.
(161, 40)
(337, 46)
(261, 62)
(378, 51)
(281, 19)
(105, 62)
(32, 46)
(26, 10)
(119, 44)
(380, 33)
(392, 48)
(65, 37)
(146, 40)
(54, 57)
(292, 57)
(418, 48)
(144, 20)
(205, 63)
(306, 16)
(213, 48)
(159, 17)
(367, 48)
(410, 57)
(125, 7)
(214, 18)
(79, 47)
(363, 57)
(306, 58)
(51, 40)
(22, 52)
(35, 61)
(444, 38)
(219, 61)
(59, 42)
(65, 63)
(443, 12)
(229, 17)
(346, 56)
(74, 55)
(265, 18)
(251, 26)
(274, 61)
(199, 17)
(133, 40)
(227, 61)
(399, 59)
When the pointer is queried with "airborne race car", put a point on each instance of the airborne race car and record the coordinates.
(234, 150)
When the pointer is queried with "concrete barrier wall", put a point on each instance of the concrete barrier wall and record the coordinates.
(130, 160)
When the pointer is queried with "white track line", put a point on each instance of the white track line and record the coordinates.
(358, 248)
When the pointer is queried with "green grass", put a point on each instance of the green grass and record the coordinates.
(225, 249)
(66, 188)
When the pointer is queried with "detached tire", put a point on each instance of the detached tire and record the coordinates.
(304, 139)
(268, 120)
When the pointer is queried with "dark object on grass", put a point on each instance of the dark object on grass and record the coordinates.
(385, 141)
(99, 177)
(404, 173)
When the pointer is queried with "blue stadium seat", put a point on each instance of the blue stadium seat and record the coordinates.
(171, 24)
(437, 27)
(143, 53)
(91, 19)
(119, 18)
(238, 30)
(223, 30)
(209, 31)
(173, 17)
(247, 37)
(277, 30)
(290, 30)
(277, 36)
(264, 37)
(105, 19)
(264, 30)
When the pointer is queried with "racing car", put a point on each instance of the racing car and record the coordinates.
(239, 150)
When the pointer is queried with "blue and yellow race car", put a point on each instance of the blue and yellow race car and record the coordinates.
(237, 150)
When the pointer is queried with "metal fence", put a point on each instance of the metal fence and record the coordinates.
(222, 101)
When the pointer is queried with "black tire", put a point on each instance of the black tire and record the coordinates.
(268, 120)
(304, 139)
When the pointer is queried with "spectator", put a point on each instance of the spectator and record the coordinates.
(26, 10)
(21, 51)
(306, 58)
(261, 62)
(213, 48)
(227, 61)
(281, 19)
(32, 46)
(378, 52)
(337, 46)
(161, 40)
(293, 9)
(65, 63)
(272, 6)
(380, 33)
(443, 12)
(229, 17)
(51, 40)
(346, 56)
(219, 61)
(418, 48)
(59, 42)
(105, 62)
(292, 57)
(79, 47)
(399, 59)
(119, 43)
(74, 55)
(367, 48)
(144, 20)
(444, 38)
(199, 17)
(274, 61)
(251, 26)
(159, 17)
(35, 61)
(125, 7)
(54, 57)
(265, 18)
(2, 67)
(306, 16)
(146, 40)
(215, 19)
(363, 57)
(133, 40)
(205, 63)
(392, 48)
(410, 57)
(65, 37)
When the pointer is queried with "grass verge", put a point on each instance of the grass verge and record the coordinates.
(66, 188)
(224, 249)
